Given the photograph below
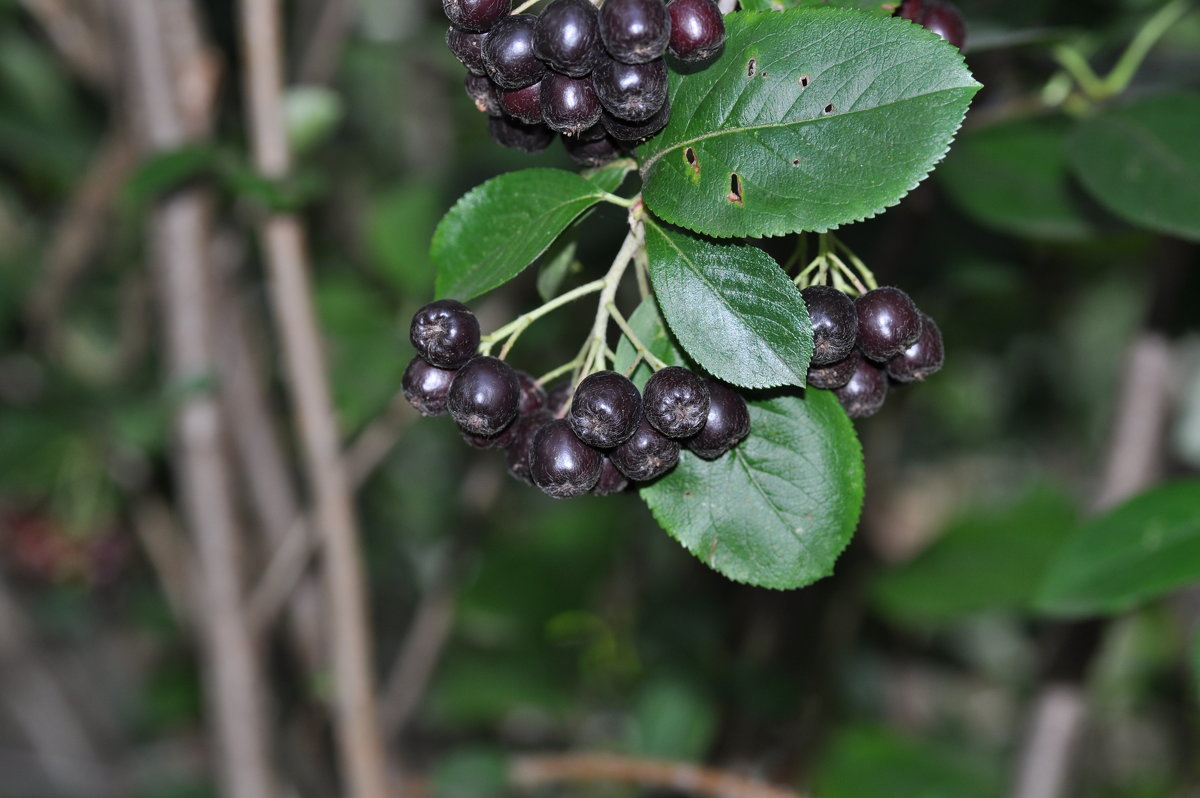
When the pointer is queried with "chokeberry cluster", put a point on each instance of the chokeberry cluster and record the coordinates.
(942, 18)
(862, 345)
(596, 76)
(598, 436)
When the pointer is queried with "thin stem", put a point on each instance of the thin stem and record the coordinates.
(558, 372)
(528, 4)
(633, 364)
(655, 362)
(799, 254)
(1143, 42)
(514, 328)
(622, 201)
(841, 267)
(641, 269)
(1077, 66)
(595, 344)
(867, 276)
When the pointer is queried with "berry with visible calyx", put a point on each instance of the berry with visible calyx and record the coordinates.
(484, 93)
(697, 29)
(835, 375)
(476, 15)
(524, 105)
(569, 105)
(533, 395)
(426, 387)
(592, 152)
(675, 402)
(646, 455)
(518, 135)
(863, 395)
(567, 37)
(946, 21)
(728, 421)
(633, 92)
(634, 132)
(562, 465)
(445, 332)
(508, 53)
(605, 410)
(611, 480)
(922, 359)
(516, 456)
(888, 323)
(467, 47)
(834, 323)
(635, 31)
(484, 396)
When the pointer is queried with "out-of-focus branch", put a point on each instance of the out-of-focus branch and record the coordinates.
(319, 53)
(170, 557)
(539, 771)
(79, 31)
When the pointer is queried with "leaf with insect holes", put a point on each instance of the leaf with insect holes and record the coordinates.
(809, 119)
(732, 308)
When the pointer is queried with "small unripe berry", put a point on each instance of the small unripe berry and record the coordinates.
(605, 410)
(484, 396)
(445, 332)
(675, 402)
(562, 465)
(727, 423)
(426, 387)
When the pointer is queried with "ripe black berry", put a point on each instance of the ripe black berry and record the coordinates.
(445, 333)
(561, 464)
(591, 153)
(501, 440)
(518, 135)
(922, 358)
(633, 92)
(888, 323)
(611, 480)
(646, 455)
(426, 387)
(625, 131)
(863, 395)
(508, 52)
(835, 375)
(533, 395)
(945, 20)
(524, 105)
(727, 423)
(675, 402)
(834, 323)
(635, 31)
(567, 37)
(913, 10)
(467, 48)
(476, 15)
(569, 105)
(697, 29)
(484, 396)
(605, 410)
(516, 456)
(484, 94)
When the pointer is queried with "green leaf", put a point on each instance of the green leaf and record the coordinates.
(311, 114)
(672, 720)
(1145, 548)
(166, 171)
(397, 227)
(751, 150)
(883, 9)
(1141, 162)
(610, 176)
(778, 509)
(502, 226)
(557, 263)
(647, 325)
(732, 308)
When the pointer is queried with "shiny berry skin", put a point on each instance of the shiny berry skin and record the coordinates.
(611, 480)
(518, 135)
(508, 53)
(675, 402)
(591, 153)
(533, 395)
(467, 48)
(501, 440)
(727, 423)
(523, 105)
(484, 396)
(888, 323)
(633, 92)
(923, 358)
(567, 37)
(863, 395)
(646, 455)
(697, 29)
(605, 410)
(625, 131)
(569, 105)
(635, 31)
(913, 10)
(426, 387)
(476, 15)
(946, 21)
(445, 333)
(484, 93)
(562, 465)
(516, 456)
(834, 323)
(835, 375)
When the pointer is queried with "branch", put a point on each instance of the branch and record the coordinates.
(79, 34)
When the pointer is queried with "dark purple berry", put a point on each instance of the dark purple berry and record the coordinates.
(605, 410)
(675, 401)
(467, 48)
(922, 359)
(518, 135)
(567, 37)
(727, 423)
(633, 92)
(913, 10)
(945, 20)
(476, 15)
(835, 375)
(501, 440)
(484, 93)
(646, 455)
(834, 323)
(611, 480)
(591, 153)
(697, 29)
(484, 396)
(562, 465)
(888, 323)
(426, 387)
(524, 105)
(508, 52)
(533, 395)
(635, 31)
(516, 456)
(445, 333)
(569, 105)
(625, 131)
(863, 395)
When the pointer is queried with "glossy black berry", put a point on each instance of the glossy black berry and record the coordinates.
(593, 152)
(467, 47)
(635, 31)
(922, 359)
(835, 375)
(561, 464)
(946, 21)
(426, 387)
(445, 332)
(913, 10)
(501, 440)
(516, 456)
(518, 135)
(727, 423)
(476, 15)
(834, 323)
(523, 105)
(888, 323)
(484, 396)
(632, 132)
(484, 93)
(533, 395)
(567, 37)
(675, 402)
(569, 105)
(633, 92)
(697, 29)
(646, 455)
(611, 480)
(863, 395)
(605, 410)
(508, 53)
